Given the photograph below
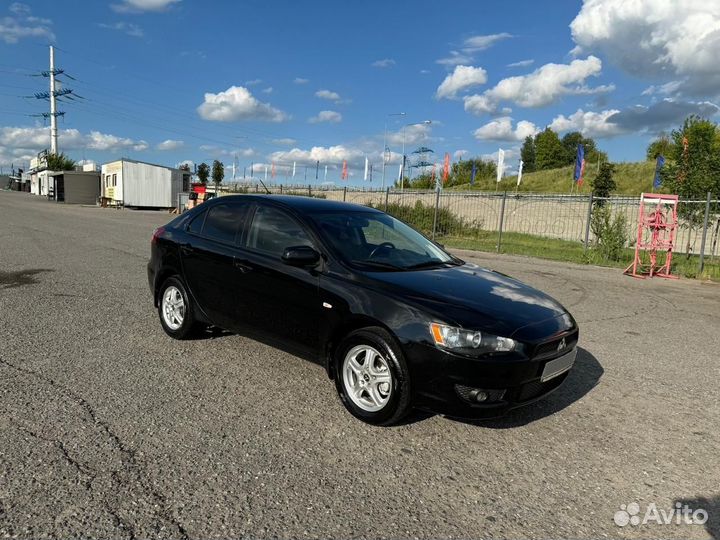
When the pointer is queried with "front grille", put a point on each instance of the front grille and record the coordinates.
(549, 349)
(537, 388)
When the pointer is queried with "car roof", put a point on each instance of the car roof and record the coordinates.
(303, 204)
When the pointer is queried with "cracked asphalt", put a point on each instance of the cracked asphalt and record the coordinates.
(109, 429)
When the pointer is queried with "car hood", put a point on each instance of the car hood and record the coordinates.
(474, 297)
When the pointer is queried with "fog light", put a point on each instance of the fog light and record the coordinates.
(481, 396)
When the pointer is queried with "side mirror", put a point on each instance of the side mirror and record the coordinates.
(300, 256)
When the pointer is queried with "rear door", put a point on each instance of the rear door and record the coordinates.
(283, 301)
(209, 255)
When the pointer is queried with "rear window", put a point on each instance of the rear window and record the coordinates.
(196, 223)
(223, 222)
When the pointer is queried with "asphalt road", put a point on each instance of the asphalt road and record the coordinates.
(110, 429)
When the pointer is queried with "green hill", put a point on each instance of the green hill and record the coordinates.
(631, 179)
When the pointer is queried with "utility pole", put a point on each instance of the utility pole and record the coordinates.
(53, 106)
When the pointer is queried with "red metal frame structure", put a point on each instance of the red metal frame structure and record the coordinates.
(657, 226)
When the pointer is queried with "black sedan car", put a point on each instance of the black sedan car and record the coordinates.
(396, 320)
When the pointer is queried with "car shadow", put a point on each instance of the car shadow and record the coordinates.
(211, 332)
(584, 376)
(712, 507)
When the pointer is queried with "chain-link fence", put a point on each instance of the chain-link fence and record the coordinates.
(561, 227)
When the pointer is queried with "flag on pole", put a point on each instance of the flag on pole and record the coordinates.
(344, 170)
(500, 164)
(446, 167)
(473, 173)
(273, 169)
(325, 173)
(367, 164)
(520, 172)
(266, 173)
(317, 168)
(658, 166)
(579, 165)
(293, 169)
(371, 171)
(400, 171)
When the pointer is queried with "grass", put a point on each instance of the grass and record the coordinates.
(569, 251)
(631, 179)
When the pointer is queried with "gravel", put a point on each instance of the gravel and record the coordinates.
(110, 429)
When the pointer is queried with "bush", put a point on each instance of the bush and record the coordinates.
(610, 233)
(421, 217)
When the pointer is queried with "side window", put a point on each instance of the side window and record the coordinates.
(222, 222)
(272, 231)
(197, 223)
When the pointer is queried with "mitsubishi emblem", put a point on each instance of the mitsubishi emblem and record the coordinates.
(561, 345)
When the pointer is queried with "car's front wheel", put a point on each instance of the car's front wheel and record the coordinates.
(175, 309)
(372, 378)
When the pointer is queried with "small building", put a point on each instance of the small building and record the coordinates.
(127, 182)
(75, 187)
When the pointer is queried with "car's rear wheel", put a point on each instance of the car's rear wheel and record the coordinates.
(175, 309)
(372, 378)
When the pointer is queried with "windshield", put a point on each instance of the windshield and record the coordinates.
(378, 241)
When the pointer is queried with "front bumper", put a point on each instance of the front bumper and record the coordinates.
(446, 383)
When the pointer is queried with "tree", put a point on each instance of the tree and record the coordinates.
(570, 142)
(218, 173)
(60, 162)
(527, 154)
(604, 183)
(662, 146)
(184, 167)
(203, 172)
(693, 167)
(549, 151)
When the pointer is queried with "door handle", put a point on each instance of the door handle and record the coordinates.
(186, 248)
(242, 265)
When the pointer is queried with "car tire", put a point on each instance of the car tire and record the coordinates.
(175, 309)
(372, 378)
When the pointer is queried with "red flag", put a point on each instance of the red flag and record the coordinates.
(446, 167)
(273, 169)
(344, 170)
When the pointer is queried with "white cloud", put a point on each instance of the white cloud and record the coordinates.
(237, 104)
(328, 95)
(459, 154)
(501, 129)
(455, 58)
(220, 152)
(480, 43)
(462, 78)
(542, 87)
(21, 24)
(589, 123)
(384, 63)
(253, 82)
(325, 155)
(660, 39)
(657, 117)
(139, 6)
(188, 162)
(23, 140)
(268, 90)
(20, 9)
(669, 88)
(412, 135)
(300, 80)
(332, 117)
(128, 28)
(287, 141)
(522, 63)
(170, 144)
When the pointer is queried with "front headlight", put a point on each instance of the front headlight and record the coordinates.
(470, 341)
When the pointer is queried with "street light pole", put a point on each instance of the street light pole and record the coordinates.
(385, 148)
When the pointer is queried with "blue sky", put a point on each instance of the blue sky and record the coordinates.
(299, 82)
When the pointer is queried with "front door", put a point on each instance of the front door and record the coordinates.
(283, 301)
